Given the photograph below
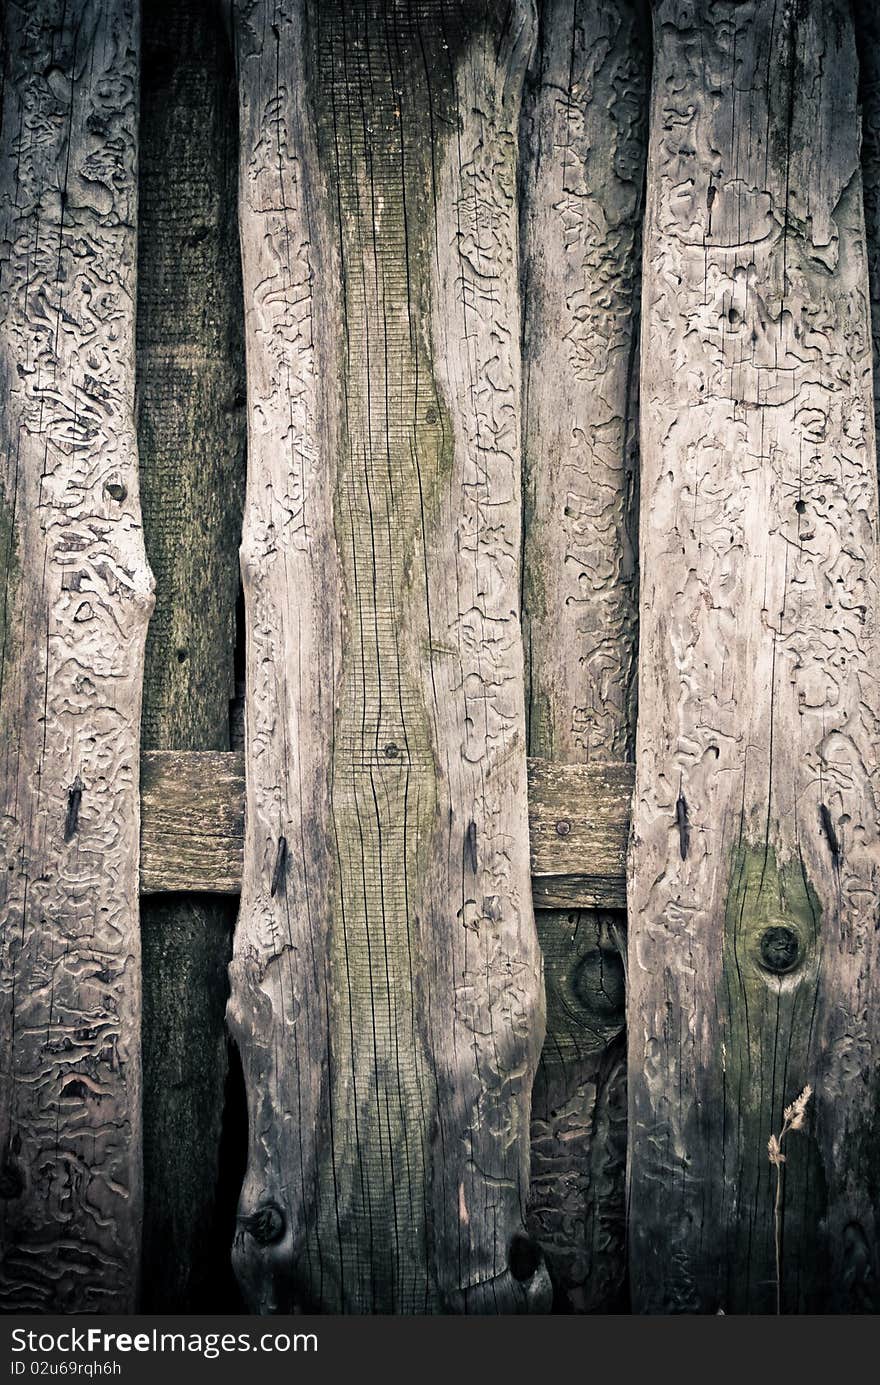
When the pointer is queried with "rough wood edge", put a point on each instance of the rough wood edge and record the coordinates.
(192, 827)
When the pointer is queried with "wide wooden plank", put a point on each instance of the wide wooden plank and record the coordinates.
(386, 978)
(191, 436)
(78, 595)
(192, 826)
(755, 860)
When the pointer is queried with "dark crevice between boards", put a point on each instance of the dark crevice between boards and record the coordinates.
(191, 438)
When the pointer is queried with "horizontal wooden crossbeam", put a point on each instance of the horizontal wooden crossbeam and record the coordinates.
(192, 827)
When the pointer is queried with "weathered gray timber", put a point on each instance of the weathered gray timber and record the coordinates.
(755, 861)
(386, 979)
(868, 35)
(192, 822)
(578, 831)
(78, 595)
(192, 827)
(191, 442)
(585, 137)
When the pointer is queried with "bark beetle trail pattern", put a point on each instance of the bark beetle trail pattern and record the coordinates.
(584, 136)
(386, 981)
(78, 597)
(582, 204)
(753, 953)
(868, 32)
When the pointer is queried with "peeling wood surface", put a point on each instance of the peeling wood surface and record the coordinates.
(191, 440)
(386, 981)
(192, 827)
(585, 140)
(755, 858)
(77, 600)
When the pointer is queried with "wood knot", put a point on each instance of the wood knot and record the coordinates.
(599, 983)
(524, 1256)
(779, 948)
(266, 1225)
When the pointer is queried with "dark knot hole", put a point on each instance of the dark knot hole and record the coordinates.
(779, 949)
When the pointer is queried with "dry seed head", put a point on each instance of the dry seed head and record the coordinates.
(774, 1151)
(796, 1113)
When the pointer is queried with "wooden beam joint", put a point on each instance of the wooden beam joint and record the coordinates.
(192, 828)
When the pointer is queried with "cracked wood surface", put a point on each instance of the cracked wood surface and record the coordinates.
(386, 979)
(754, 861)
(78, 594)
(584, 130)
(190, 417)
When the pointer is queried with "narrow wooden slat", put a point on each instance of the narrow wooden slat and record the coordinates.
(584, 142)
(77, 598)
(754, 953)
(192, 827)
(191, 437)
(192, 821)
(579, 827)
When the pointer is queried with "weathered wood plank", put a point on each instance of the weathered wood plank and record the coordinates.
(192, 821)
(755, 855)
(868, 42)
(191, 443)
(386, 993)
(192, 826)
(584, 130)
(78, 595)
(579, 829)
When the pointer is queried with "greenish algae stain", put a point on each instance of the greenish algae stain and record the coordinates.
(771, 953)
(384, 102)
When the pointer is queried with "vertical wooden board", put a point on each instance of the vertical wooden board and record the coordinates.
(754, 860)
(191, 427)
(386, 981)
(77, 601)
(584, 140)
(868, 42)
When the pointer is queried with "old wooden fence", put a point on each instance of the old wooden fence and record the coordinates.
(516, 433)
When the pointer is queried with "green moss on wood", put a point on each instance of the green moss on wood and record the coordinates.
(770, 950)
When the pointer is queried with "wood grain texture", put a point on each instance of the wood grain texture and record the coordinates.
(192, 826)
(579, 829)
(191, 441)
(754, 862)
(867, 18)
(78, 594)
(584, 137)
(192, 822)
(386, 980)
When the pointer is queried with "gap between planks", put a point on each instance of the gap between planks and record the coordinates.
(192, 827)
